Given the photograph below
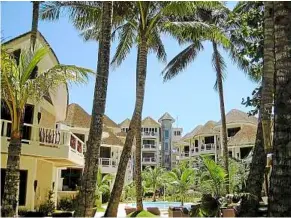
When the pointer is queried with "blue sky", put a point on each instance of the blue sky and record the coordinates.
(190, 96)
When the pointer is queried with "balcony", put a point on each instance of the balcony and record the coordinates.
(149, 147)
(149, 160)
(207, 148)
(61, 146)
(149, 134)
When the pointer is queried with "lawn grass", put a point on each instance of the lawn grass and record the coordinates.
(142, 213)
(100, 209)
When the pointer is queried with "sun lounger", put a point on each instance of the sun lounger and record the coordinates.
(154, 210)
(129, 210)
(228, 212)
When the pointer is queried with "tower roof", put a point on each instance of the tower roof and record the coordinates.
(166, 116)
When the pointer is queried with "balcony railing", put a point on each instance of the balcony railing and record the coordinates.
(149, 146)
(45, 136)
(154, 134)
(107, 162)
(207, 147)
(149, 160)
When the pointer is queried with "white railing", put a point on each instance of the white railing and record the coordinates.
(46, 136)
(185, 154)
(149, 134)
(107, 162)
(207, 147)
(149, 146)
(149, 159)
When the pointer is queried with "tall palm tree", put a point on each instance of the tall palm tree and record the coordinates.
(280, 183)
(181, 178)
(263, 139)
(154, 178)
(80, 15)
(144, 26)
(16, 88)
(215, 17)
(34, 23)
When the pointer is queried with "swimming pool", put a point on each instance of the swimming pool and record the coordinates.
(164, 205)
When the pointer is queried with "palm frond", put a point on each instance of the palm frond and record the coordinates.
(126, 41)
(181, 61)
(156, 45)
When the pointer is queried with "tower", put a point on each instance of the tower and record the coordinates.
(166, 122)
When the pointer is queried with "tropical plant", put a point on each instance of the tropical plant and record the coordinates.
(216, 17)
(17, 86)
(280, 183)
(82, 13)
(214, 176)
(181, 178)
(154, 179)
(102, 186)
(48, 207)
(238, 174)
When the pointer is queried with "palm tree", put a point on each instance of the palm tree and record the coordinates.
(154, 178)
(16, 88)
(263, 139)
(34, 24)
(215, 175)
(181, 178)
(102, 186)
(103, 11)
(215, 17)
(144, 26)
(280, 183)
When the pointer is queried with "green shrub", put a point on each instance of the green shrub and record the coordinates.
(67, 204)
(49, 206)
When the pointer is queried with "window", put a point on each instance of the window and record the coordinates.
(166, 146)
(209, 140)
(196, 143)
(166, 133)
(178, 133)
(16, 55)
(156, 130)
(232, 131)
(72, 179)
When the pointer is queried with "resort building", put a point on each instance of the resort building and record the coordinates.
(157, 140)
(78, 122)
(54, 136)
(45, 149)
(205, 139)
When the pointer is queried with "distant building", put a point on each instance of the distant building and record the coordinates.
(206, 139)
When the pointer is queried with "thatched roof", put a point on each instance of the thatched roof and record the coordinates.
(208, 128)
(237, 116)
(149, 122)
(112, 139)
(78, 117)
(246, 136)
(192, 133)
(180, 143)
(121, 134)
(124, 123)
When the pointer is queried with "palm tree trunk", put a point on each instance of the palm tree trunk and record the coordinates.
(154, 196)
(34, 25)
(111, 210)
(249, 206)
(222, 113)
(86, 196)
(263, 139)
(11, 186)
(138, 181)
(280, 182)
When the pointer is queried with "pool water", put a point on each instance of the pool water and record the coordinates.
(164, 205)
